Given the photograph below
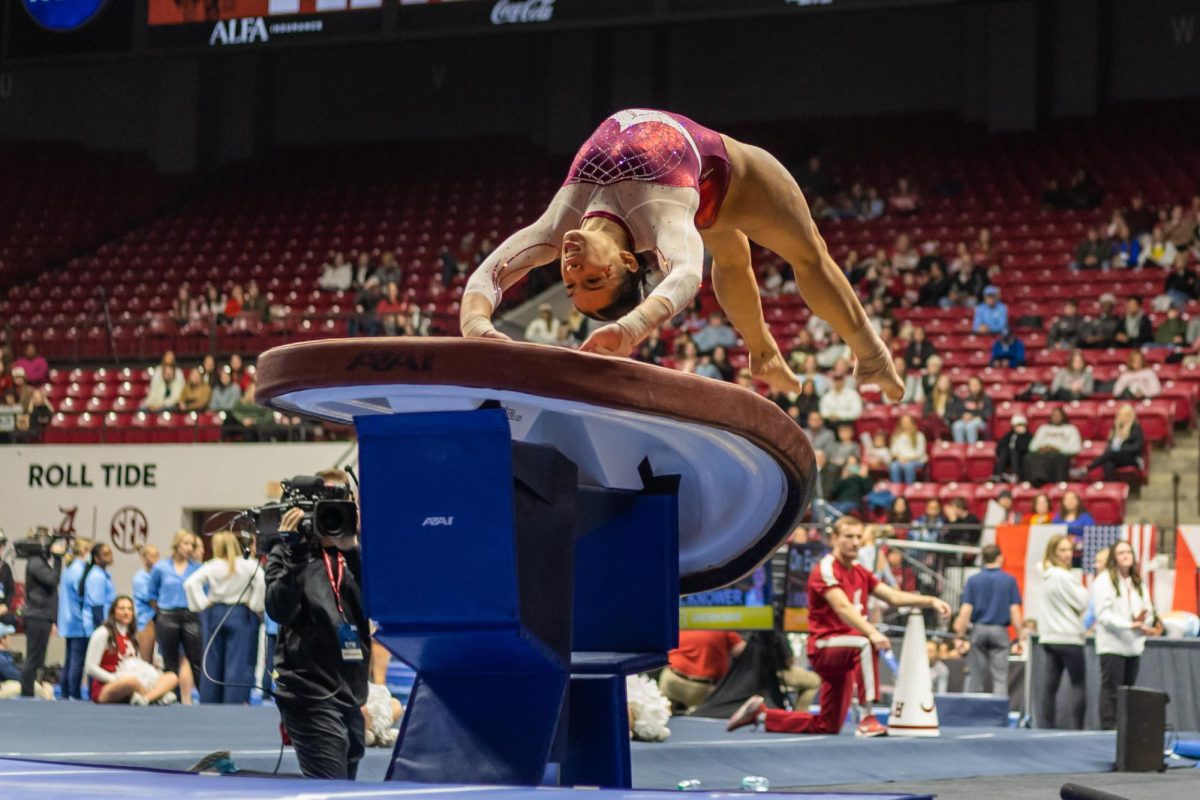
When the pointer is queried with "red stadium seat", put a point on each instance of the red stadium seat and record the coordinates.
(981, 460)
(62, 426)
(947, 462)
(1106, 502)
(954, 489)
(875, 418)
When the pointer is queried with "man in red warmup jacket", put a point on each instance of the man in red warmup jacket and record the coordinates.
(842, 644)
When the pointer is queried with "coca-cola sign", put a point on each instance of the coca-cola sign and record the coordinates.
(522, 11)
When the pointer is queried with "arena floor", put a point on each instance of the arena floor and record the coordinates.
(968, 763)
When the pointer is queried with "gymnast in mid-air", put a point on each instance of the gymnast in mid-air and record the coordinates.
(646, 195)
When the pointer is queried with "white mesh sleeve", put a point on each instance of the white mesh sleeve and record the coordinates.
(532, 246)
(663, 221)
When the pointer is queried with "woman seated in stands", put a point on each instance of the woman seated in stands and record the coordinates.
(1040, 512)
(899, 514)
(1126, 445)
(969, 416)
(909, 452)
(118, 675)
(1072, 514)
(919, 350)
(648, 193)
(1138, 381)
(939, 407)
(1054, 445)
(1072, 381)
(929, 526)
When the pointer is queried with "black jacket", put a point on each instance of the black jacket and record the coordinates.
(308, 656)
(1135, 444)
(41, 588)
(917, 353)
(7, 594)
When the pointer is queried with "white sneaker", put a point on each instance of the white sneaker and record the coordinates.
(170, 698)
(138, 699)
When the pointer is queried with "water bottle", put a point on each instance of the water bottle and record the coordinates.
(755, 783)
(688, 785)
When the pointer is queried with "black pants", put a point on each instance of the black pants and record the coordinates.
(1115, 671)
(329, 739)
(37, 637)
(1054, 659)
(1009, 460)
(1043, 468)
(1113, 460)
(174, 627)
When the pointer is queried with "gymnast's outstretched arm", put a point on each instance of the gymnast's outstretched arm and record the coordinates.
(533, 246)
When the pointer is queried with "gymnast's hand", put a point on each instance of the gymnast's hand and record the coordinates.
(608, 340)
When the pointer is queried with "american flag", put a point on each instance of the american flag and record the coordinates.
(1143, 539)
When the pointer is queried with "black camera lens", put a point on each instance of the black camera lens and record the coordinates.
(331, 519)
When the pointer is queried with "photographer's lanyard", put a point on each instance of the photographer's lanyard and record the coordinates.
(347, 632)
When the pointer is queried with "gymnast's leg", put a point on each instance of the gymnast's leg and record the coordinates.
(737, 291)
(765, 202)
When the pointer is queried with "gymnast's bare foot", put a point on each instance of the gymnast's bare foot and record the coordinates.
(772, 369)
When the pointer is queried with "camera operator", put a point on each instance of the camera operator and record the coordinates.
(42, 573)
(321, 659)
(8, 586)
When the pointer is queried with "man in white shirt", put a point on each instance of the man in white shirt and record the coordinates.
(337, 275)
(841, 403)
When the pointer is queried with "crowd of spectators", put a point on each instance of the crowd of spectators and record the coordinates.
(24, 410)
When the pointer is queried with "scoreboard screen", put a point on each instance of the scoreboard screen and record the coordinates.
(230, 23)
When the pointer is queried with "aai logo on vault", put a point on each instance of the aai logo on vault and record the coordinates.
(63, 15)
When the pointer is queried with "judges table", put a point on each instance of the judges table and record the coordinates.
(1168, 665)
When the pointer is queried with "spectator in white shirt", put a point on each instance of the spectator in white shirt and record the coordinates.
(1125, 616)
(229, 618)
(1053, 446)
(1060, 637)
(542, 329)
(336, 276)
(833, 352)
(841, 403)
(1138, 380)
(166, 387)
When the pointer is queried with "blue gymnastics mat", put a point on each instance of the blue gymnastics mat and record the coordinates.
(174, 737)
(49, 781)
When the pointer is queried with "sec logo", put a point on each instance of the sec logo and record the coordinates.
(63, 15)
(129, 529)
